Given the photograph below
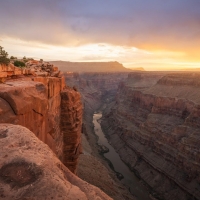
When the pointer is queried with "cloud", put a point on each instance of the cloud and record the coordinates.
(153, 25)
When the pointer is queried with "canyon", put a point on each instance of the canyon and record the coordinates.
(152, 121)
(154, 128)
(48, 140)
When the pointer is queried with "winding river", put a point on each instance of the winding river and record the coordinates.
(130, 180)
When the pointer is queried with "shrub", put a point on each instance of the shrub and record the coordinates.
(18, 63)
(12, 57)
(4, 57)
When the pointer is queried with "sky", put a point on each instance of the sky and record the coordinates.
(153, 34)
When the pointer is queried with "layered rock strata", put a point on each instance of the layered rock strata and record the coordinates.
(32, 67)
(30, 170)
(71, 126)
(154, 126)
(97, 89)
(35, 105)
(35, 102)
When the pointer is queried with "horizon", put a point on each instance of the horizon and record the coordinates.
(154, 35)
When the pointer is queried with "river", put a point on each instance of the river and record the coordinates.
(130, 180)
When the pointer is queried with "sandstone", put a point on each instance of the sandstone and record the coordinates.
(71, 125)
(3, 74)
(55, 74)
(53, 112)
(44, 74)
(36, 104)
(29, 170)
(17, 71)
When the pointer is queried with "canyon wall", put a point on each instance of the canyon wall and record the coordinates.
(37, 98)
(154, 126)
(71, 127)
(97, 89)
(43, 104)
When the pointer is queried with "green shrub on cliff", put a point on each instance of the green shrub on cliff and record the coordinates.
(12, 57)
(18, 63)
(4, 57)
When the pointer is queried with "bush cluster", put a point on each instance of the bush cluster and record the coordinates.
(4, 57)
(18, 63)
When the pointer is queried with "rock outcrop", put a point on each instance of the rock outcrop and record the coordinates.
(71, 126)
(30, 170)
(33, 67)
(34, 101)
(154, 126)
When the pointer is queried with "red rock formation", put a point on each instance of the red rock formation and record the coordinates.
(35, 102)
(155, 129)
(71, 124)
(36, 106)
(30, 170)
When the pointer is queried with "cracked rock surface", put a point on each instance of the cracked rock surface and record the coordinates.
(30, 170)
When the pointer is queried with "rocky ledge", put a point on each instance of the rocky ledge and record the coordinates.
(30, 170)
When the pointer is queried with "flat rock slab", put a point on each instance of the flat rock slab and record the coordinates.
(30, 170)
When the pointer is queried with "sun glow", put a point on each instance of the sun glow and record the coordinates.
(130, 57)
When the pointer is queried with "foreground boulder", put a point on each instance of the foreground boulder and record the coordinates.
(30, 170)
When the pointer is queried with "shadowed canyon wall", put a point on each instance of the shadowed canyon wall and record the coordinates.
(154, 126)
(97, 89)
(152, 120)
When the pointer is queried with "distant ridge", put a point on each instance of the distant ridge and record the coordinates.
(191, 69)
(90, 66)
(138, 69)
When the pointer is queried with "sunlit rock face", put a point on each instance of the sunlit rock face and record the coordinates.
(30, 170)
(71, 125)
(154, 126)
(35, 102)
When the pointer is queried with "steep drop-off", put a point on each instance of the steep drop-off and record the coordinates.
(36, 104)
(36, 98)
(97, 89)
(154, 126)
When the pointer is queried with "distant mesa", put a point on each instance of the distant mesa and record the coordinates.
(191, 69)
(90, 66)
(138, 69)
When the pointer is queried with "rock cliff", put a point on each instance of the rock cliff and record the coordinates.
(37, 98)
(45, 106)
(154, 126)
